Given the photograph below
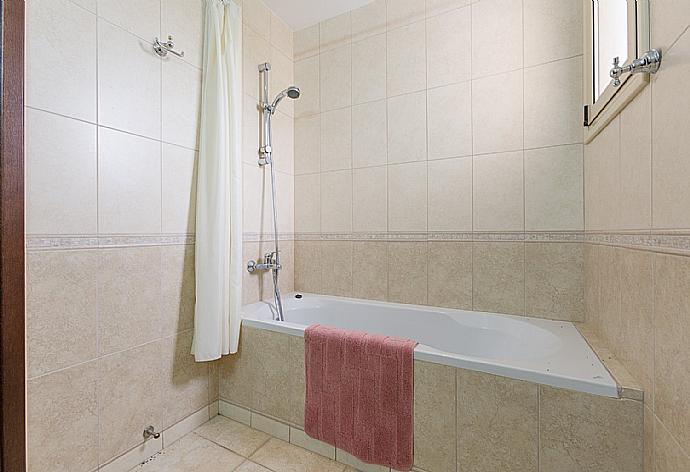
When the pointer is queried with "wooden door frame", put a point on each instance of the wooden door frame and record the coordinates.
(12, 314)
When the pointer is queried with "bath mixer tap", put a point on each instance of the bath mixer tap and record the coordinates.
(271, 262)
(649, 63)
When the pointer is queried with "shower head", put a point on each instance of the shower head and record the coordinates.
(290, 92)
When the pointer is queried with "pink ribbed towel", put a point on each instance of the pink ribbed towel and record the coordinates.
(360, 391)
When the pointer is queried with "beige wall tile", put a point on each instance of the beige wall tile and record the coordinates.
(336, 78)
(370, 200)
(370, 270)
(449, 128)
(672, 351)
(554, 285)
(434, 7)
(403, 12)
(178, 288)
(668, 454)
(670, 140)
(181, 104)
(250, 129)
(271, 379)
(308, 144)
(450, 274)
(237, 373)
(336, 140)
(252, 284)
(636, 350)
(129, 398)
(129, 291)
(307, 79)
(255, 50)
(493, 131)
(496, 37)
(498, 201)
(284, 141)
(179, 189)
(62, 420)
(648, 417)
(61, 309)
(588, 432)
(126, 101)
(668, 20)
(336, 201)
(129, 183)
(554, 189)
(497, 423)
(308, 203)
(406, 58)
(335, 32)
(610, 294)
(369, 69)
(434, 422)
(553, 30)
(336, 268)
(307, 266)
(254, 192)
(553, 103)
(282, 36)
(296, 386)
(447, 38)
(498, 277)
(369, 134)
(407, 196)
(71, 90)
(602, 180)
(185, 382)
(407, 273)
(450, 195)
(407, 128)
(257, 16)
(186, 19)
(60, 162)
(306, 42)
(636, 163)
(369, 20)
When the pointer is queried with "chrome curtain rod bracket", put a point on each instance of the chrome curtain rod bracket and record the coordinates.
(162, 49)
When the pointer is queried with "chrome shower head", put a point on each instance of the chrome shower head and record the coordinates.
(290, 92)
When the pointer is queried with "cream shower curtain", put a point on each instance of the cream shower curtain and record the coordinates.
(219, 186)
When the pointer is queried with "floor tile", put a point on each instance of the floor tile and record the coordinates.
(280, 456)
(250, 466)
(192, 454)
(233, 435)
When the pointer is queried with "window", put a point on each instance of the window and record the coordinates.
(616, 32)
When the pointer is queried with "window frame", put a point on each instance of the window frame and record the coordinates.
(613, 99)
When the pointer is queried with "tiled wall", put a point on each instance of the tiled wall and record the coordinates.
(637, 264)
(111, 133)
(455, 121)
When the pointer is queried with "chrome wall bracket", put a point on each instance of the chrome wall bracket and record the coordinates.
(162, 49)
(150, 432)
(649, 63)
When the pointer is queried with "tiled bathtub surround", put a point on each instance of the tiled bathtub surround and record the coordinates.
(398, 132)
(111, 156)
(464, 420)
(637, 269)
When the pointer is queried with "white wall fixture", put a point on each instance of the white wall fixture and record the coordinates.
(302, 13)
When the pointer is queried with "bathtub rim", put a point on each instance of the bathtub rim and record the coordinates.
(422, 352)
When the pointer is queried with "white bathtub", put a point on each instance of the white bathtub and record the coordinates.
(541, 351)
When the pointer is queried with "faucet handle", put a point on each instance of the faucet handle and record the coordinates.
(616, 61)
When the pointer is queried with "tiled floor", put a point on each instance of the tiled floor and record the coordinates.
(223, 445)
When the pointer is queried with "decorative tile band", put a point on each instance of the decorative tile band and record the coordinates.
(666, 242)
(663, 242)
(65, 242)
(564, 236)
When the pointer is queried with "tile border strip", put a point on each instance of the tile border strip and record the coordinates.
(673, 242)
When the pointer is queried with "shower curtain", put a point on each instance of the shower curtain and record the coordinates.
(219, 186)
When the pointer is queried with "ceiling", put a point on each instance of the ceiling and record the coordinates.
(302, 13)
